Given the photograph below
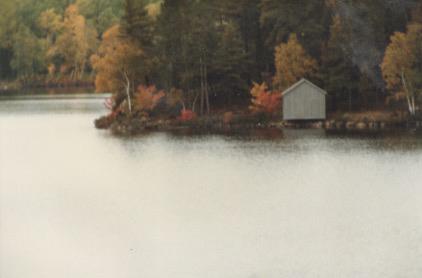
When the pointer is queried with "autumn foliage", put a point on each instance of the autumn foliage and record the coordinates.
(147, 98)
(187, 115)
(263, 100)
(401, 66)
(292, 63)
(114, 61)
(75, 42)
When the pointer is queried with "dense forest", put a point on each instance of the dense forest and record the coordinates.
(205, 54)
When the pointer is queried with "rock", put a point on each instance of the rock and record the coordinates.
(104, 122)
(361, 126)
(350, 125)
(339, 125)
(330, 124)
(318, 125)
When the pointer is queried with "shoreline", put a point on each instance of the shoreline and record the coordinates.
(15, 87)
(123, 126)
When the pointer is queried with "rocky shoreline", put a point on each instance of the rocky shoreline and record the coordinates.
(125, 126)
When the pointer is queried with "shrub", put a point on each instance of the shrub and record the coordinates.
(187, 115)
(264, 101)
(147, 98)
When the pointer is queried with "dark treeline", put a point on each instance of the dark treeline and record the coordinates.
(213, 51)
(234, 41)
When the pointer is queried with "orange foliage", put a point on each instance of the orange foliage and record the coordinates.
(116, 57)
(147, 98)
(187, 115)
(264, 101)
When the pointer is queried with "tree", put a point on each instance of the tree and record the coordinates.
(116, 65)
(8, 22)
(292, 63)
(51, 24)
(367, 26)
(147, 98)
(245, 15)
(101, 14)
(402, 64)
(229, 67)
(338, 72)
(75, 43)
(188, 39)
(137, 24)
(308, 19)
(27, 54)
(263, 100)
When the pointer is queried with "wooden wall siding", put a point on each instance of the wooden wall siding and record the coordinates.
(305, 102)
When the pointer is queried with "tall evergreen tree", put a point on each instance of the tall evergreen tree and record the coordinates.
(245, 14)
(338, 72)
(137, 24)
(308, 19)
(229, 73)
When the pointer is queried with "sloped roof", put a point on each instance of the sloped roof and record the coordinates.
(303, 81)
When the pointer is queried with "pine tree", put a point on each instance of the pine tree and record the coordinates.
(245, 15)
(137, 24)
(230, 66)
(338, 72)
(308, 19)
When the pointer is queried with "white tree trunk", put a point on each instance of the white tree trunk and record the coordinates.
(409, 96)
(127, 85)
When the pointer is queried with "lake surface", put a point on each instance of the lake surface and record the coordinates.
(76, 202)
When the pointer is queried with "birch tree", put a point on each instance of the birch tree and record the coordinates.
(116, 65)
(402, 65)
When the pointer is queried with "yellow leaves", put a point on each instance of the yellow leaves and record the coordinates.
(76, 40)
(115, 58)
(396, 60)
(50, 21)
(153, 10)
(292, 63)
(400, 56)
(401, 65)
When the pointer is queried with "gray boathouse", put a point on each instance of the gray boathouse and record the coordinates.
(304, 101)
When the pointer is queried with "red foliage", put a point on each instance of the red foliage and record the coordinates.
(187, 115)
(264, 101)
(147, 98)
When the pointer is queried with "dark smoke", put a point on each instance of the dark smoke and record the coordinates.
(362, 47)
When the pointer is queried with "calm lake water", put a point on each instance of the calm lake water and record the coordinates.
(76, 202)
